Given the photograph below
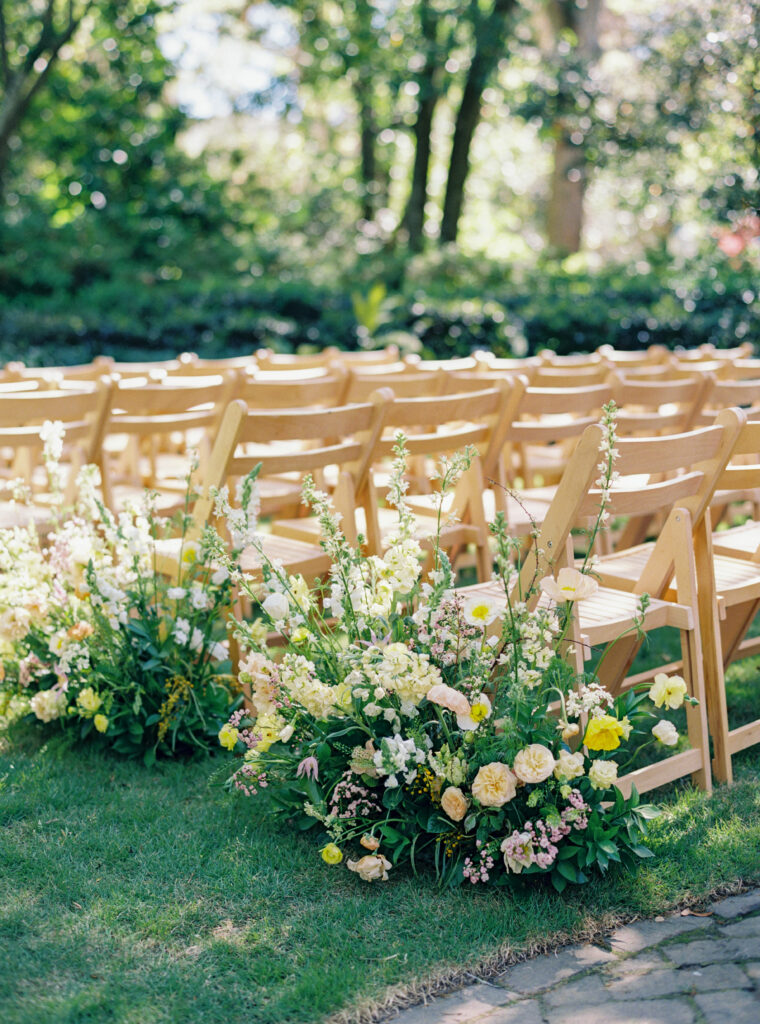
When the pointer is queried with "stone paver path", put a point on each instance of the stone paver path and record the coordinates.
(674, 970)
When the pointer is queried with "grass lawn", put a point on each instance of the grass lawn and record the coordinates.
(140, 896)
(137, 895)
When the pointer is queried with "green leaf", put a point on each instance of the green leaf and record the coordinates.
(566, 870)
(648, 811)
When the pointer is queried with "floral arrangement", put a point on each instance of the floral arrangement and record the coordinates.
(96, 641)
(407, 723)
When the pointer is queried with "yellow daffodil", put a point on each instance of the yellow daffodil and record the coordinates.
(603, 733)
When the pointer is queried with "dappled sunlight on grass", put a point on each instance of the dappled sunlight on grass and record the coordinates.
(147, 895)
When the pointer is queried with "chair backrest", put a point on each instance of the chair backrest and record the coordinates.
(740, 369)
(294, 389)
(404, 384)
(192, 365)
(663, 406)
(296, 441)
(440, 425)
(742, 474)
(652, 356)
(266, 359)
(692, 463)
(570, 375)
(148, 414)
(83, 415)
(724, 393)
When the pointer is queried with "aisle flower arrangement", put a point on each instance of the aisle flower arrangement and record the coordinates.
(96, 642)
(408, 724)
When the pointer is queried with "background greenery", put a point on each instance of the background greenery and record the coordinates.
(216, 174)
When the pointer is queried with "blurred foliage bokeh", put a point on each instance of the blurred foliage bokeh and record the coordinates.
(218, 175)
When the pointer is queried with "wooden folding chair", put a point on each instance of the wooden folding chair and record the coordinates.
(321, 387)
(668, 568)
(83, 416)
(150, 429)
(276, 440)
(266, 359)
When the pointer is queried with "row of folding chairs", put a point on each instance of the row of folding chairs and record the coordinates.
(545, 367)
(705, 586)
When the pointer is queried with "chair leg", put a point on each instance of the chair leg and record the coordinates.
(696, 717)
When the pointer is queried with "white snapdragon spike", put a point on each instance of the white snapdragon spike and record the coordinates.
(181, 631)
(87, 484)
(398, 757)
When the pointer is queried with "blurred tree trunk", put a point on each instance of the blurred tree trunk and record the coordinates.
(429, 82)
(367, 143)
(490, 39)
(20, 84)
(564, 218)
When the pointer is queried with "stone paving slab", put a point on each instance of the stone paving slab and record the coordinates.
(674, 970)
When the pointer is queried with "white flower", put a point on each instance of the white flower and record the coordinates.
(196, 640)
(570, 585)
(286, 733)
(665, 732)
(48, 704)
(569, 766)
(480, 610)
(276, 606)
(181, 631)
(176, 593)
(602, 774)
(198, 598)
(534, 763)
(219, 576)
(218, 652)
(480, 709)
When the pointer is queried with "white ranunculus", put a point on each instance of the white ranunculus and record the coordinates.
(665, 732)
(276, 606)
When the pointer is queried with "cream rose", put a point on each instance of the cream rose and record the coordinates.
(449, 698)
(494, 785)
(370, 868)
(569, 766)
(454, 803)
(665, 732)
(603, 774)
(534, 763)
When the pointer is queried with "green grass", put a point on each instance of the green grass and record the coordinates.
(137, 895)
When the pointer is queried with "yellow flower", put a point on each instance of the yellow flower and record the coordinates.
(101, 723)
(603, 733)
(480, 710)
(190, 551)
(627, 726)
(331, 854)
(88, 700)
(668, 690)
(481, 611)
(494, 785)
(228, 736)
(570, 585)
